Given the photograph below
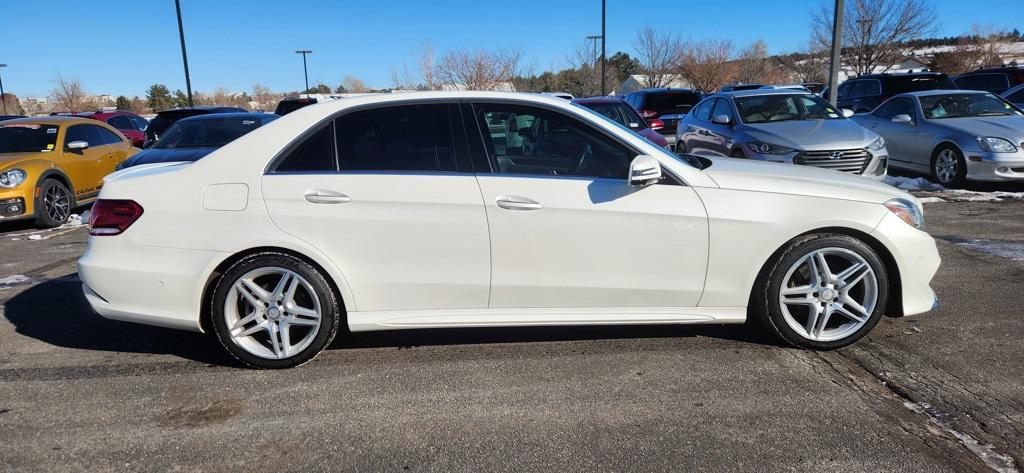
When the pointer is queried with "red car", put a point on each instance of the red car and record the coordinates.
(129, 124)
(621, 112)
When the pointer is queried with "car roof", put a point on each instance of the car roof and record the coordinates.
(596, 100)
(659, 90)
(925, 93)
(52, 120)
(202, 108)
(215, 116)
(755, 92)
(897, 75)
(994, 69)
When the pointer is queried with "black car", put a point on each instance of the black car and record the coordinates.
(738, 87)
(992, 79)
(193, 137)
(667, 105)
(10, 117)
(864, 93)
(166, 118)
(291, 104)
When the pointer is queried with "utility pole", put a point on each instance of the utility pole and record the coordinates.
(2, 98)
(184, 55)
(837, 48)
(305, 72)
(603, 52)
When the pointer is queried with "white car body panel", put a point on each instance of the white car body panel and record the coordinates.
(459, 260)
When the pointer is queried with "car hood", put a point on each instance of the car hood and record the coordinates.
(8, 159)
(781, 178)
(153, 155)
(1007, 127)
(812, 135)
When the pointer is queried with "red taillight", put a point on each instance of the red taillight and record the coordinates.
(648, 113)
(656, 124)
(111, 217)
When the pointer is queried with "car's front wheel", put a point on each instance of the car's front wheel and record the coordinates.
(53, 204)
(273, 310)
(823, 291)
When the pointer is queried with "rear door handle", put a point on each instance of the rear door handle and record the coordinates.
(511, 202)
(327, 197)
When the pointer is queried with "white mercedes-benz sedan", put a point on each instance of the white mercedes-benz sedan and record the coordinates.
(474, 209)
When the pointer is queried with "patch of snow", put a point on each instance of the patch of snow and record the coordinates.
(975, 196)
(1013, 250)
(931, 200)
(35, 237)
(913, 183)
(986, 453)
(13, 281)
(76, 220)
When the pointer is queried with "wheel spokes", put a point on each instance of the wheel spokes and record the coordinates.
(265, 328)
(824, 282)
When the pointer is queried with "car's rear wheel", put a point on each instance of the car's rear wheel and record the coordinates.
(822, 292)
(273, 310)
(949, 167)
(53, 204)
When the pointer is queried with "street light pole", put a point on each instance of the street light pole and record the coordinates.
(305, 72)
(837, 47)
(184, 55)
(602, 46)
(3, 99)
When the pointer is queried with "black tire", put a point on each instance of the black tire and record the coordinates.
(765, 300)
(52, 212)
(680, 147)
(331, 308)
(960, 177)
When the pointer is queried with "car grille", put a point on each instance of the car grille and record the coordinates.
(846, 160)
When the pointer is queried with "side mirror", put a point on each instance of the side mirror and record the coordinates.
(644, 171)
(721, 120)
(847, 112)
(902, 118)
(655, 124)
(78, 145)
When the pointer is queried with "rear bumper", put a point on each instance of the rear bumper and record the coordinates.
(917, 258)
(155, 286)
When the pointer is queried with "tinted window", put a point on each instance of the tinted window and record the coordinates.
(140, 123)
(671, 102)
(108, 136)
(554, 144)
(1016, 97)
(722, 108)
(206, 132)
(843, 91)
(27, 138)
(896, 107)
(621, 113)
(86, 133)
(314, 153)
(408, 138)
(121, 122)
(703, 111)
(988, 82)
(899, 85)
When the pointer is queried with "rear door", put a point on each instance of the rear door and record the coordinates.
(566, 230)
(380, 193)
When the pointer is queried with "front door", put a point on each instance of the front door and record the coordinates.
(567, 231)
(388, 208)
(85, 167)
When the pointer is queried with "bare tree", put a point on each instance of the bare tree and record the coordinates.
(265, 98)
(427, 66)
(479, 69)
(754, 66)
(658, 53)
(707, 64)
(809, 65)
(582, 77)
(978, 49)
(354, 84)
(402, 79)
(68, 94)
(875, 31)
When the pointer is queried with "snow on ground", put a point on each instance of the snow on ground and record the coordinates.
(74, 222)
(913, 183)
(1013, 250)
(938, 193)
(13, 281)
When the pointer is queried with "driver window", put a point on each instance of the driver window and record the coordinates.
(895, 107)
(526, 140)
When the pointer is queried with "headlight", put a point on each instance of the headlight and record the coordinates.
(996, 145)
(12, 177)
(768, 148)
(877, 145)
(907, 211)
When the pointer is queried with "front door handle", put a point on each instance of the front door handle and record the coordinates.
(511, 202)
(327, 197)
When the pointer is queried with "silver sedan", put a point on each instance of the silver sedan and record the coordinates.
(953, 135)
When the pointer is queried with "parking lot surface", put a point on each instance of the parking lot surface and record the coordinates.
(937, 392)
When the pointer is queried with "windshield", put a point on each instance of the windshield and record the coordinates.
(780, 108)
(965, 105)
(206, 133)
(27, 138)
(619, 112)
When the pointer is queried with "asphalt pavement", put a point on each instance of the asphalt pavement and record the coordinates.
(937, 392)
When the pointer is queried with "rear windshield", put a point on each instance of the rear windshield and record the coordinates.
(671, 102)
(27, 138)
(206, 133)
(913, 84)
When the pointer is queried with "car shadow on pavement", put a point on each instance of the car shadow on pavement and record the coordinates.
(56, 312)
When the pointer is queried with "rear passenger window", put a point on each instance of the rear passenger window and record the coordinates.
(703, 111)
(405, 138)
(315, 153)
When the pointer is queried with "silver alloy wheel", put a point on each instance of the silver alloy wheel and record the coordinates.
(813, 292)
(946, 166)
(265, 305)
(57, 203)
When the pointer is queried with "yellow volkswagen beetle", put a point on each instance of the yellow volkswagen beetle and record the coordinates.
(50, 165)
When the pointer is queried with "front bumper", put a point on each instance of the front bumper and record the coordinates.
(917, 258)
(165, 291)
(997, 167)
(875, 167)
(17, 203)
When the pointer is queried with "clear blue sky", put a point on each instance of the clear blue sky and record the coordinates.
(123, 46)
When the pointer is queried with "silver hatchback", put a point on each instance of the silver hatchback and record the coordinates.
(783, 126)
